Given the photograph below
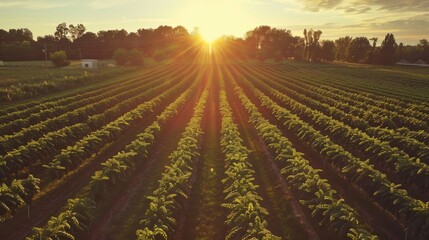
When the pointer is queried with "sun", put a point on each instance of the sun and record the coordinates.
(214, 18)
(209, 36)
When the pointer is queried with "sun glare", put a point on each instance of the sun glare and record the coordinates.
(209, 36)
(214, 18)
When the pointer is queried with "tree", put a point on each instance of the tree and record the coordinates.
(280, 41)
(87, 43)
(76, 31)
(315, 50)
(423, 50)
(312, 50)
(341, 46)
(387, 51)
(19, 35)
(61, 31)
(135, 57)
(305, 44)
(180, 31)
(120, 56)
(59, 59)
(358, 49)
(297, 48)
(400, 51)
(163, 32)
(123, 57)
(258, 41)
(47, 39)
(328, 50)
(371, 54)
(264, 41)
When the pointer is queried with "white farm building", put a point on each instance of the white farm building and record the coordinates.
(89, 63)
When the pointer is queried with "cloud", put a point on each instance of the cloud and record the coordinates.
(98, 4)
(354, 10)
(362, 6)
(316, 5)
(28, 4)
(397, 5)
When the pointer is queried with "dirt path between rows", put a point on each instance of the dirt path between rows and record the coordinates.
(205, 216)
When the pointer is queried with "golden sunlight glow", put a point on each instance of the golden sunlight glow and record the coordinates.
(209, 36)
(214, 18)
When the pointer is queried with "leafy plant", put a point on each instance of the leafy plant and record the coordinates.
(59, 59)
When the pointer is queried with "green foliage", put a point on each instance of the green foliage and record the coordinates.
(17, 195)
(163, 203)
(357, 50)
(59, 59)
(245, 218)
(73, 220)
(120, 55)
(78, 213)
(387, 51)
(34, 79)
(356, 171)
(132, 57)
(317, 193)
(146, 234)
(341, 46)
(135, 57)
(328, 50)
(159, 55)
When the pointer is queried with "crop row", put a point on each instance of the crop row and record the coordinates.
(18, 194)
(106, 107)
(165, 201)
(25, 110)
(411, 169)
(246, 216)
(45, 147)
(315, 191)
(376, 113)
(360, 173)
(392, 96)
(110, 95)
(114, 171)
(413, 142)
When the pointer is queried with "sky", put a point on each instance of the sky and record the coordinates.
(408, 20)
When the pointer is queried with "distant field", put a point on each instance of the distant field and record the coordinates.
(22, 80)
(180, 151)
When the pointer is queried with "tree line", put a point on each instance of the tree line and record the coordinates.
(172, 42)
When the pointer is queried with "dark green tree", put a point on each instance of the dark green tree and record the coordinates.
(135, 57)
(120, 56)
(59, 59)
(357, 50)
(312, 50)
(423, 50)
(328, 50)
(372, 58)
(76, 31)
(61, 31)
(387, 51)
(341, 46)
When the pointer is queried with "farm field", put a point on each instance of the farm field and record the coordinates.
(222, 151)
